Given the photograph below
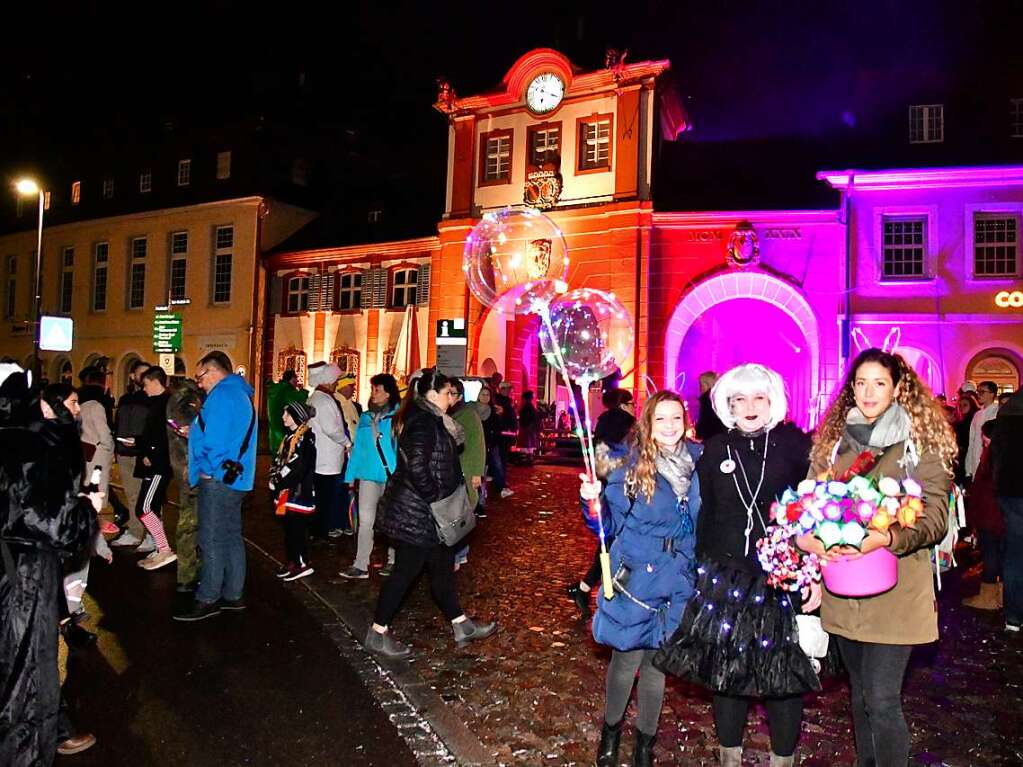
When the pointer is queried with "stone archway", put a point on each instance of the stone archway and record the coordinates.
(755, 286)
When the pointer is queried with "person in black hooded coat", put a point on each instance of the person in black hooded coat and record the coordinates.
(43, 519)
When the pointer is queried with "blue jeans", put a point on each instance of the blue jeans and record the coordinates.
(222, 574)
(1012, 564)
(495, 467)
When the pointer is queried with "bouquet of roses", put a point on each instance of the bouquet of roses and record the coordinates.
(839, 512)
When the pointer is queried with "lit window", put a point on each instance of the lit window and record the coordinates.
(184, 172)
(67, 280)
(298, 294)
(594, 144)
(292, 359)
(349, 291)
(223, 165)
(179, 266)
(347, 360)
(137, 274)
(497, 148)
(99, 277)
(108, 189)
(905, 248)
(145, 181)
(995, 245)
(46, 200)
(222, 262)
(926, 124)
(76, 192)
(1016, 118)
(403, 287)
(544, 146)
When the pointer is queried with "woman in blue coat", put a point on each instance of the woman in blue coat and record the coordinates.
(373, 460)
(650, 505)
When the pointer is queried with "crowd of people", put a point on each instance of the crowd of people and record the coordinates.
(684, 505)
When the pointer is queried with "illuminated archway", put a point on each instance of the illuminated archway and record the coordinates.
(750, 285)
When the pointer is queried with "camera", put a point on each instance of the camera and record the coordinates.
(232, 470)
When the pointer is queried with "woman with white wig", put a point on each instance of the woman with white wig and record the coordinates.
(738, 635)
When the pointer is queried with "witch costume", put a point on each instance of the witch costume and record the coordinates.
(43, 520)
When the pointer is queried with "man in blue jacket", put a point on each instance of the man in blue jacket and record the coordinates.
(222, 462)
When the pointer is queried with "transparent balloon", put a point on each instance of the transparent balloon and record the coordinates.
(592, 334)
(515, 261)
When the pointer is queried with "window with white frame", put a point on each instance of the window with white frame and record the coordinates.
(904, 247)
(223, 165)
(544, 146)
(145, 181)
(222, 262)
(1016, 118)
(349, 291)
(594, 144)
(76, 192)
(178, 266)
(67, 276)
(403, 287)
(498, 158)
(99, 276)
(137, 273)
(995, 245)
(184, 172)
(297, 294)
(108, 189)
(926, 123)
(12, 287)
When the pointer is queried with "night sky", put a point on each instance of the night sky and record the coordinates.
(745, 69)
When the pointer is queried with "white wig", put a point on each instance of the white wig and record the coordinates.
(749, 380)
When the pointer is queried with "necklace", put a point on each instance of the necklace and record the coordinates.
(750, 506)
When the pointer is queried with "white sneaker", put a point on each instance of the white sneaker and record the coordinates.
(507, 492)
(126, 540)
(158, 559)
(148, 546)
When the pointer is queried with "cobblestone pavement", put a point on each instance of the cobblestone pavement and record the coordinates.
(533, 694)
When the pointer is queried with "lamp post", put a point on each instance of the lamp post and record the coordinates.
(28, 187)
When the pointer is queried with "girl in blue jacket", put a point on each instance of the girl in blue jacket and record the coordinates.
(650, 505)
(372, 461)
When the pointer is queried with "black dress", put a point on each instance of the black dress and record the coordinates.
(738, 635)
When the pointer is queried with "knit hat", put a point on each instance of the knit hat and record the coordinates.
(323, 374)
(299, 412)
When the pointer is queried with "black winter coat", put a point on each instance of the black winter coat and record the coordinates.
(1007, 448)
(720, 529)
(130, 420)
(153, 443)
(428, 470)
(42, 520)
(294, 469)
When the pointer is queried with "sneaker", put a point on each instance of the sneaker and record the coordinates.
(299, 571)
(336, 533)
(348, 531)
(354, 574)
(387, 569)
(76, 744)
(285, 569)
(109, 528)
(148, 546)
(198, 611)
(125, 540)
(158, 559)
(507, 492)
(1012, 628)
(233, 605)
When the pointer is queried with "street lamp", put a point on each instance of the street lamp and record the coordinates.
(27, 188)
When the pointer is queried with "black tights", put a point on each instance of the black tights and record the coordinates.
(409, 561)
(784, 717)
(296, 537)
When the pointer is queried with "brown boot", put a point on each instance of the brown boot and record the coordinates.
(986, 599)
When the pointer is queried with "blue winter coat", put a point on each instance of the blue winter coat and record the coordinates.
(364, 462)
(656, 543)
(217, 433)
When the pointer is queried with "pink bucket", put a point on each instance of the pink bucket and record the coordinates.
(866, 576)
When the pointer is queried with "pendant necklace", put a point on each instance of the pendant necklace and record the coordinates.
(751, 506)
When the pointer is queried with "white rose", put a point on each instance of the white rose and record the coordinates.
(837, 489)
(806, 487)
(889, 486)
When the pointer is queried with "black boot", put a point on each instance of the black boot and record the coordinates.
(607, 751)
(581, 599)
(643, 756)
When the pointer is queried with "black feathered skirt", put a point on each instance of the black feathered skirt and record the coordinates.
(738, 636)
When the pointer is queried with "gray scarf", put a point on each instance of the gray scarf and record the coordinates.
(677, 467)
(483, 411)
(453, 427)
(893, 426)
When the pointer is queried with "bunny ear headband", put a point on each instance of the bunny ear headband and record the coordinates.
(891, 341)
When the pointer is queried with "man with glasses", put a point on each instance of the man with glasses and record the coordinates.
(222, 462)
(987, 396)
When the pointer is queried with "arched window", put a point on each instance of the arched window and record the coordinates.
(995, 366)
(347, 359)
(292, 359)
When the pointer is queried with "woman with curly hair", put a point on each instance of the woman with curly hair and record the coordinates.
(884, 409)
(650, 505)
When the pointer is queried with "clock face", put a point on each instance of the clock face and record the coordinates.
(545, 93)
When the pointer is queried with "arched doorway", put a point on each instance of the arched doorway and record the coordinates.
(124, 372)
(998, 365)
(925, 366)
(741, 317)
(61, 371)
